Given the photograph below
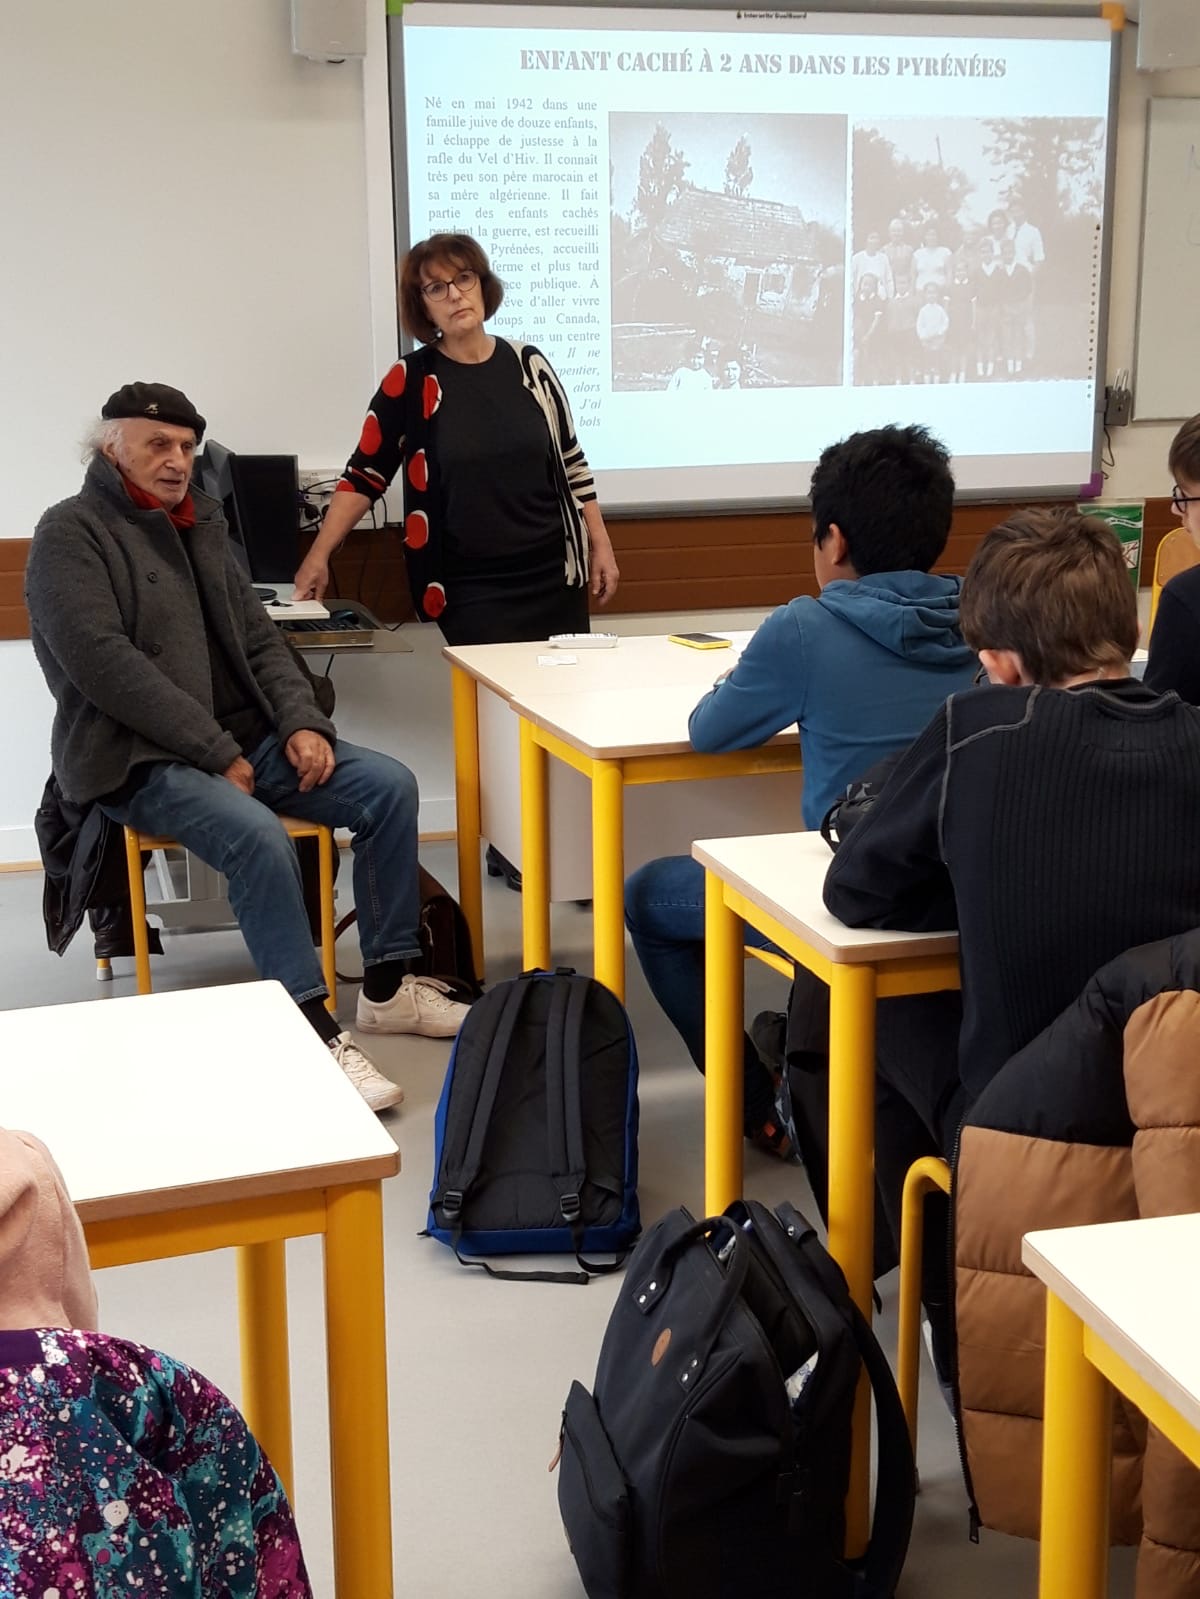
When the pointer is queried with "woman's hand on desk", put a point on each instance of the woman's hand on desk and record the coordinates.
(345, 510)
(312, 579)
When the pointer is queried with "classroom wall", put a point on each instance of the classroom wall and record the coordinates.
(185, 199)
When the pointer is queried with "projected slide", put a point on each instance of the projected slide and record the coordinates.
(738, 237)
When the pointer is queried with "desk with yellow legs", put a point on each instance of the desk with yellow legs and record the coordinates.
(1123, 1312)
(212, 1119)
(621, 720)
(774, 883)
(618, 738)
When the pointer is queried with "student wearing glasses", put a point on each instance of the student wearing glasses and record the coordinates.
(503, 535)
(1175, 642)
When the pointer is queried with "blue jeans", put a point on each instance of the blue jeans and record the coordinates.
(368, 793)
(664, 912)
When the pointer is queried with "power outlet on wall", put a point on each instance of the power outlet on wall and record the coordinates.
(318, 479)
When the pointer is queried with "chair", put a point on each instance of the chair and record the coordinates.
(924, 1177)
(1176, 552)
(136, 842)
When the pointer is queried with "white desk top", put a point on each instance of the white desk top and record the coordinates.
(784, 873)
(641, 663)
(611, 723)
(164, 1100)
(1134, 1283)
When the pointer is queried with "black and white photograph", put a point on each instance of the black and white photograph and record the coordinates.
(975, 249)
(728, 250)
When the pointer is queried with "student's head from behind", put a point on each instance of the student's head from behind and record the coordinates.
(1047, 599)
(881, 502)
(1184, 462)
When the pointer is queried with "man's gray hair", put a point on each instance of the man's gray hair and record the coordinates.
(100, 435)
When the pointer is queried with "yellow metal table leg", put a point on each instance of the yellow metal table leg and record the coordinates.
(137, 909)
(266, 1388)
(1076, 1462)
(328, 936)
(608, 875)
(535, 852)
(724, 1004)
(852, 1191)
(465, 702)
(356, 1343)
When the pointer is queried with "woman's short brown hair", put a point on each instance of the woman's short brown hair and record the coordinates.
(1184, 457)
(457, 250)
(1053, 586)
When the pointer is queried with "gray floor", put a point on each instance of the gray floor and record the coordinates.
(479, 1369)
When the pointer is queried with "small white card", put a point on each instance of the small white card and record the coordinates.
(558, 660)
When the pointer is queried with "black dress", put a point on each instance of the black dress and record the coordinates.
(503, 527)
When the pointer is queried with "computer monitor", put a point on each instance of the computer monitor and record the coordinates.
(261, 498)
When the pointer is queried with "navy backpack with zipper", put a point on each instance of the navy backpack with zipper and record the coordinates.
(535, 1137)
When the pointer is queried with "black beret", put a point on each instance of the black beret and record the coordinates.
(158, 401)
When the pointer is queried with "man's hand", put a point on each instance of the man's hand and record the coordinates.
(312, 756)
(240, 774)
(312, 579)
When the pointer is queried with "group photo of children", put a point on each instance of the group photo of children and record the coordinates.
(961, 274)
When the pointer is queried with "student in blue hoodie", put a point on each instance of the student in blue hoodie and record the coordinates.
(860, 670)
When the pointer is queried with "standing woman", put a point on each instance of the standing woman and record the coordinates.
(503, 535)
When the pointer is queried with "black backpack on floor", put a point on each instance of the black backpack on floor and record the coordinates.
(714, 1459)
(535, 1136)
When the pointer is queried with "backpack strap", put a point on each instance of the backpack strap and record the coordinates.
(463, 1151)
(896, 1473)
(564, 1111)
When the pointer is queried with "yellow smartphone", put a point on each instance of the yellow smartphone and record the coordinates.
(699, 641)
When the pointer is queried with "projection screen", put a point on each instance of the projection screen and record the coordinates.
(739, 236)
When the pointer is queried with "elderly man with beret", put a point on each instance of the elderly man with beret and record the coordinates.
(181, 711)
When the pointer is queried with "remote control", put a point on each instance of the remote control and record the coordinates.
(583, 641)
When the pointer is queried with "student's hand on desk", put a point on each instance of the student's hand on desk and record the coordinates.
(312, 579)
(240, 774)
(312, 756)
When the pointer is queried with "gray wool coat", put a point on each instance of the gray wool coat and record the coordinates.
(118, 630)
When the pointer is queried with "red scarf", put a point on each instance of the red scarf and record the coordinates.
(184, 514)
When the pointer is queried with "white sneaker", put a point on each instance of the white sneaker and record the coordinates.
(379, 1091)
(420, 1005)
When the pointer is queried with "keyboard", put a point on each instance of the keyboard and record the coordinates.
(339, 631)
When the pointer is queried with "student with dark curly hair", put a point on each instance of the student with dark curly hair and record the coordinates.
(860, 669)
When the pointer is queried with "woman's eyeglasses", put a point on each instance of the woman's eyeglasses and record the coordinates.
(463, 281)
(1181, 501)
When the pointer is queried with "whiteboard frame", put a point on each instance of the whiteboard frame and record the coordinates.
(984, 9)
(1156, 414)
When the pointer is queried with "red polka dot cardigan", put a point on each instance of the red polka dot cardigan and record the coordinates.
(401, 431)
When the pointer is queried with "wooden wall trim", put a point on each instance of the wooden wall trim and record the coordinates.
(14, 619)
(684, 563)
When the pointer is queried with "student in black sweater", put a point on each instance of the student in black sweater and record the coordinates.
(1175, 642)
(1044, 816)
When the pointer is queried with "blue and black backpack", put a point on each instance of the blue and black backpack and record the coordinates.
(535, 1138)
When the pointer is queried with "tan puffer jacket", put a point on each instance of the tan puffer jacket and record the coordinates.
(1097, 1120)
